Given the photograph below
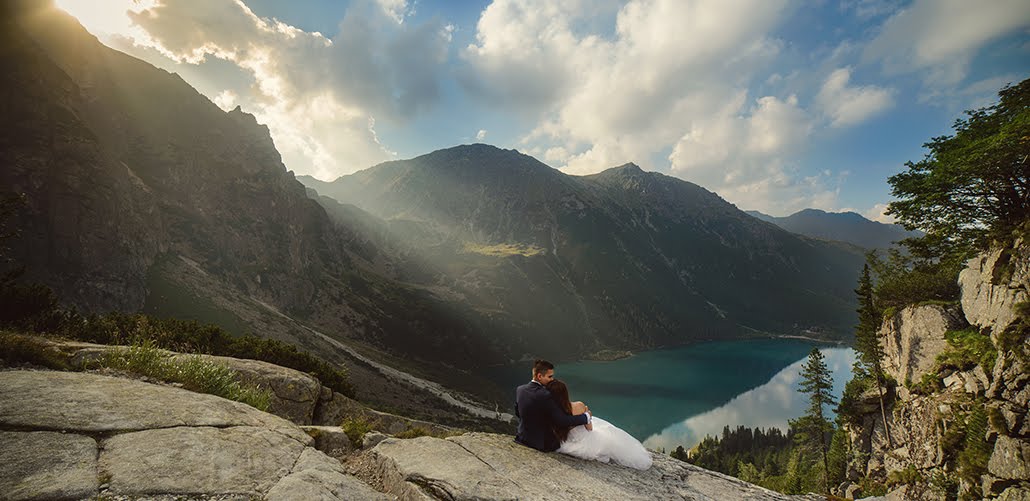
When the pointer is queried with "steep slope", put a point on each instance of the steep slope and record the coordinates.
(840, 226)
(141, 193)
(624, 258)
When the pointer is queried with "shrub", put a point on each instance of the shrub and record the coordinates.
(355, 427)
(967, 348)
(908, 476)
(193, 372)
(18, 349)
(976, 450)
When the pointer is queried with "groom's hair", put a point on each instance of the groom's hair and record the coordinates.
(542, 366)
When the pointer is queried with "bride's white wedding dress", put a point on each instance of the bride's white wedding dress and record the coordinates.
(606, 442)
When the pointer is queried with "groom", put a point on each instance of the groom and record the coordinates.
(538, 413)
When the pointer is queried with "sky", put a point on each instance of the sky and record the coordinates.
(774, 105)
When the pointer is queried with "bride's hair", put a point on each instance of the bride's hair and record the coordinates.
(560, 394)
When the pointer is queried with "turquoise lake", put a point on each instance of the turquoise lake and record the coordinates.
(676, 396)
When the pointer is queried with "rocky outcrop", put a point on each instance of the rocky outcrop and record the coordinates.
(992, 284)
(78, 435)
(928, 423)
(493, 467)
(914, 337)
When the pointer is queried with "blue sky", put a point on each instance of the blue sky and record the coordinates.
(775, 105)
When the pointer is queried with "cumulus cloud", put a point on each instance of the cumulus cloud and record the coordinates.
(849, 105)
(481, 135)
(673, 76)
(320, 97)
(939, 37)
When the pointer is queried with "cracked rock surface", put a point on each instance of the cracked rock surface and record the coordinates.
(78, 435)
(485, 466)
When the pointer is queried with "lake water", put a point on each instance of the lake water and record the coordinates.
(676, 396)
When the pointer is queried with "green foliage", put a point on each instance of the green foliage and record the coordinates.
(355, 427)
(848, 410)
(813, 427)
(21, 349)
(837, 457)
(928, 383)
(908, 476)
(944, 484)
(973, 187)
(193, 372)
(870, 487)
(903, 280)
(680, 453)
(748, 473)
(967, 348)
(192, 337)
(976, 450)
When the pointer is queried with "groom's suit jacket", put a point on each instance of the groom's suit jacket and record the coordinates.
(537, 413)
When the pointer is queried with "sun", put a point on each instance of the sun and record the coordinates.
(106, 17)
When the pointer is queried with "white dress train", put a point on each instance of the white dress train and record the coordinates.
(606, 442)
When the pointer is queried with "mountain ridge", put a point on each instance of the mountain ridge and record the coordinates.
(849, 227)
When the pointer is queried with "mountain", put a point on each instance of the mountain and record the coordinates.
(840, 226)
(142, 195)
(624, 258)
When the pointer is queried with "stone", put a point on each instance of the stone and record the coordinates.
(1010, 459)
(295, 393)
(185, 460)
(331, 440)
(91, 403)
(989, 305)
(953, 381)
(971, 384)
(372, 439)
(47, 465)
(489, 466)
(1018, 493)
(853, 491)
(914, 337)
(317, 476)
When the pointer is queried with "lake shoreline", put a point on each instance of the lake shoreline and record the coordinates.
(609, 355)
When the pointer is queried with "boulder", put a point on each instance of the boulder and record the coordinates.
(493, 467)
(914, 337)
(319, 477)
(1010, 459)
(295, 393)
(992, 284)
(184, 460)
(1018, 493)
(152, 441)
(331, 440)
(47, 465)
(372, 439)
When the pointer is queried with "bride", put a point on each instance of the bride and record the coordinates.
(598, 440)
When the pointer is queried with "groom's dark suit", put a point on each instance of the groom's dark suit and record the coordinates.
(537, 413)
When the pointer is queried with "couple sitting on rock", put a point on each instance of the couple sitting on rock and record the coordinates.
(548, 422)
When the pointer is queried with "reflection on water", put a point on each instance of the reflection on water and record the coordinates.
(652, 393)
(769, 405)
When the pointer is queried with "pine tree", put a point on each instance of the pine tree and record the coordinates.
(867, 343)
(813, 427)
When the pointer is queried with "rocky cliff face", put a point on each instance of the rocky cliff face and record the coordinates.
(933, 419)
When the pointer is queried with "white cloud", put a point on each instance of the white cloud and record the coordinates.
(877, 213)
(319, 97)
(938, 38)
(846, 105)
(226, 99)
(481, 135)
(672, 76)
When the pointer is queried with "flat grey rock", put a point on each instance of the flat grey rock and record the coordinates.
(237, 460)
(91, 403)
(486, 466)
(320, 477)
(47, 465)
